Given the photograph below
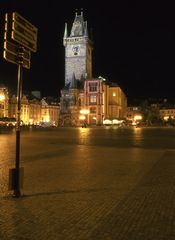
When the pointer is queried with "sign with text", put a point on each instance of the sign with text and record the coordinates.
(23, 32)
(20, 37)
(11, 52)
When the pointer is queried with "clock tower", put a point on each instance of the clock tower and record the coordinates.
(78, 68)
(78, 51)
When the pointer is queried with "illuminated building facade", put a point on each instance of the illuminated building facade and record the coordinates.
(24, 108)
(35, 111)
(103, 100)
(134, 112)
(84, 98)
(167, 113)
(115, 102)
(78, 52)
(94, 100)
(49, 112)
(3, 101)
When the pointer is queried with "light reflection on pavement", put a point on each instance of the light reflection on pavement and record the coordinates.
(78, 181)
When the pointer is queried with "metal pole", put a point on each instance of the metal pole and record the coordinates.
(17, 192)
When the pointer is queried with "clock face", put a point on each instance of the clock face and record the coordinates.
(75, 49)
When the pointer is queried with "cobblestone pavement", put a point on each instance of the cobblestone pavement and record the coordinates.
(91, 193)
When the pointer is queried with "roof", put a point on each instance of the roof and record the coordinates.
(79, 27)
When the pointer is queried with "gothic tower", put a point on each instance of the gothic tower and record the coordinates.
(78, 51)
(78, 67)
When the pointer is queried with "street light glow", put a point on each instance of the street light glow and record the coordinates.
(84, 111)
(82, 117)
(2, 97)
(137, 117)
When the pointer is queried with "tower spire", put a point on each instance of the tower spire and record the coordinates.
(73, 84)
(65, 33)
(82, 12)
(85, 29)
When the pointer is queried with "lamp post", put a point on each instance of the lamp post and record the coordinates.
(17, 192)
(19, 41)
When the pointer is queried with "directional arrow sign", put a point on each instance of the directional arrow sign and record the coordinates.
(24, 23)
(10, 57)
(21, 39)
(13, 48)
(11, 54)
(23, 32)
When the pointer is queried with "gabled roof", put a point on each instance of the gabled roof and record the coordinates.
(112, 84)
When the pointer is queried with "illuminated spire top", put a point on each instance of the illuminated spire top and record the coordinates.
(85, 29)
(82, 12)
(79, 27)
(65, 31)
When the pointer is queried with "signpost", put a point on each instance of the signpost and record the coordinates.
(11, 52)
(24, 32)
(20, 37)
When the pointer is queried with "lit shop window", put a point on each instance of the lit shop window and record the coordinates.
(93, 99)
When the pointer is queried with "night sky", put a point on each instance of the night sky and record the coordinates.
(133, 45)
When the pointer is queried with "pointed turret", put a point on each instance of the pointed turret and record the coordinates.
(65, 34)
(78, 27)
(81, 11)
(73, 82)
(78, 50)
(76, 14)
(85, 29)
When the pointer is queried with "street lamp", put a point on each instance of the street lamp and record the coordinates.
(2, 97)
(83, 116)
(84, 111)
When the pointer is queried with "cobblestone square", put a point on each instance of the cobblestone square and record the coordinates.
(77, 186)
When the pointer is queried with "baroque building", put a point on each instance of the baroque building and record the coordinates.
(4, 97)
(85, 98)
(35, 111)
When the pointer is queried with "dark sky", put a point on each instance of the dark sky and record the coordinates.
(133, 44)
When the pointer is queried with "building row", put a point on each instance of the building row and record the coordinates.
(152, 111)
(34, 111)
(85, 99)
(104, 103)
(97, 102)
